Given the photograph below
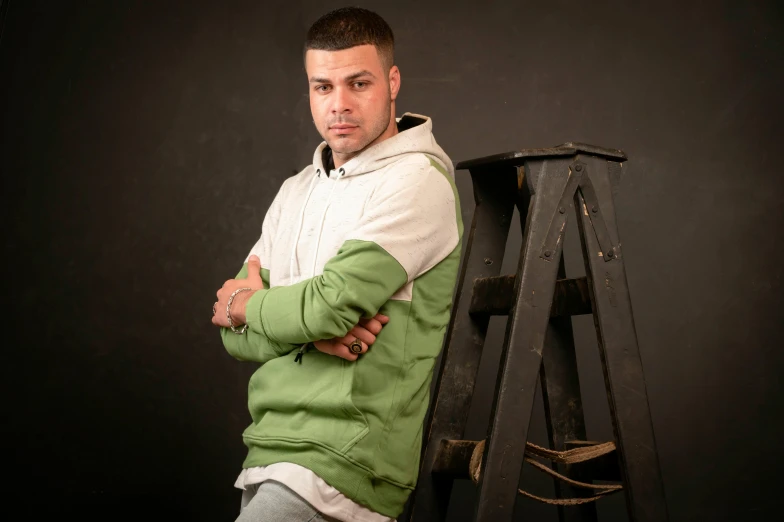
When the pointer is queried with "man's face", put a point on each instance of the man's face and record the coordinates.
(351, 98)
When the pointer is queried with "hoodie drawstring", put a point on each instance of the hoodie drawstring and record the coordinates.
(304, 347)
(299, 227)
(321, 224)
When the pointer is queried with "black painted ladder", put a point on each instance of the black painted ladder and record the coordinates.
(546, 185)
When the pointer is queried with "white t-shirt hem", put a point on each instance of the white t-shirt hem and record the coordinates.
(323, 497)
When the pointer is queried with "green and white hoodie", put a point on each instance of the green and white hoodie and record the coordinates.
(381, 234)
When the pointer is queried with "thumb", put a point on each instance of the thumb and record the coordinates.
(254, 268)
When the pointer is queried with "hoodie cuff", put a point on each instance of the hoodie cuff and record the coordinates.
(253, 311)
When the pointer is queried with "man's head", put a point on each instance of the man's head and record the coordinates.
(353, 82)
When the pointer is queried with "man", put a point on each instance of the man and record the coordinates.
(361, 248)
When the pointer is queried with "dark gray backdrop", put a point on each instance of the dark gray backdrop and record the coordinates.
(142, 143)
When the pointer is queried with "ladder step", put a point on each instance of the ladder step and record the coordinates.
(605, 467)
(453, 460)
(495, 296)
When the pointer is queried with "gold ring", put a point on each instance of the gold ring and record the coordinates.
(355, 346)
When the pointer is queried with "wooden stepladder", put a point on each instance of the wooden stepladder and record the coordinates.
(547, 186)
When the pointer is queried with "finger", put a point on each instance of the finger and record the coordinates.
(383, 319)
(326, 346)
(359, 332)
(254, 269)
(362, 333)
(336, 348)
(346, 341)
(344, 352)
(372, 325)
(226, 289)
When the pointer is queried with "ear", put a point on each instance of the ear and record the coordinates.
(394, 81)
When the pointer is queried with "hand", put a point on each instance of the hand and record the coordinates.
(366, 331)
(253, 281)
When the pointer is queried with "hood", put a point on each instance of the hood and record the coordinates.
(415, 136)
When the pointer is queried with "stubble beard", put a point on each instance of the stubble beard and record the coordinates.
(376, 130)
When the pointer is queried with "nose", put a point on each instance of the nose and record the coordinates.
(341, 101)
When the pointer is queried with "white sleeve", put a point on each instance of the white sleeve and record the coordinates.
(412, 215)
(269, 227)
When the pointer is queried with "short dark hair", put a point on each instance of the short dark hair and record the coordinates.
(351, 26)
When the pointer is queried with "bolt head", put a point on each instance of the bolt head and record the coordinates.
(611, 253)
(594, 209)
(562, 210)
(488, 261)
(547, 253)
(578, 168)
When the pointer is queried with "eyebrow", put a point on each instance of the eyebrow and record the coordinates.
(348, 78)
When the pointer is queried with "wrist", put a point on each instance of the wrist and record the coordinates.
(237, 311)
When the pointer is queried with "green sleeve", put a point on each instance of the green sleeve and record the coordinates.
(355, 283)
(252, 346)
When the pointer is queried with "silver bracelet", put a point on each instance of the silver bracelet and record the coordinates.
(228, 312)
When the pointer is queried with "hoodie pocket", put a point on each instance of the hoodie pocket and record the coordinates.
(307, 402)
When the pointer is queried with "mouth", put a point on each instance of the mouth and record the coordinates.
(343, 128)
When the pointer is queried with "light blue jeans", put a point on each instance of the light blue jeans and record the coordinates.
(271, 501)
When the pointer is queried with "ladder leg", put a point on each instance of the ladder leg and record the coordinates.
(523, 345)
(618, 348)
(563, 408)
(494, 193)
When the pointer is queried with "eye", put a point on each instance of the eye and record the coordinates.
(360, 85)
(322, 88)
